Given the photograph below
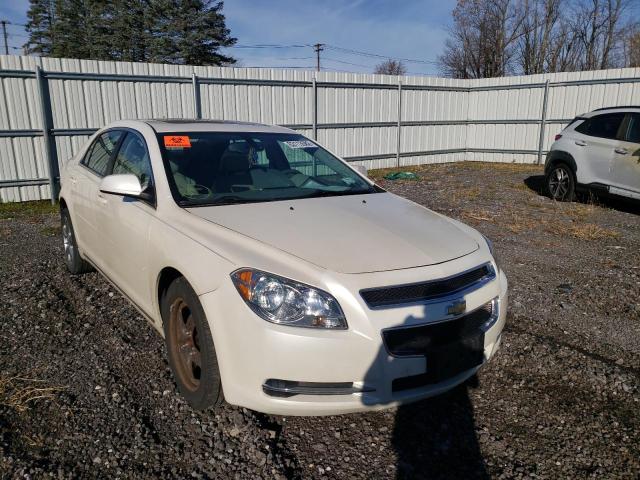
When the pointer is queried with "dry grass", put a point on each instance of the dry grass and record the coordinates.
(377, 174)
(591, 231)
(20, 393)
(504, 167)
(477, 216)
(467, 193)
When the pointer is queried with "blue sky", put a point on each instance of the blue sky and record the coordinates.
(412, 29)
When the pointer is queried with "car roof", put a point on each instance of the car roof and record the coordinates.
(196, 125)
(621, 109)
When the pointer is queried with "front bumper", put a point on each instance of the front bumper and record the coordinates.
(250, 350)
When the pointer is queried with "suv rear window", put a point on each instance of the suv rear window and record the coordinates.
(603, 126)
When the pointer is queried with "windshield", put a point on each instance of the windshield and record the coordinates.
(216, 168)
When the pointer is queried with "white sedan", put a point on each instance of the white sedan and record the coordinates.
(282, 279)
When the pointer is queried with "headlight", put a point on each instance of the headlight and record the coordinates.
(493, 251)
(287, 302)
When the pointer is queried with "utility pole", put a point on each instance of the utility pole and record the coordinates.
(318, 47)
(4, 35)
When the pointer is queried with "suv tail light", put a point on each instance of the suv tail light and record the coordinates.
(558, 136)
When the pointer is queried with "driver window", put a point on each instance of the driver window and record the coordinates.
(133, 158)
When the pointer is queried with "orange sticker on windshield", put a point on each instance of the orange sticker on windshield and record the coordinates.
(177, 141)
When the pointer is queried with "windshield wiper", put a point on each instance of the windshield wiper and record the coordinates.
(337, 193)
(226, 200)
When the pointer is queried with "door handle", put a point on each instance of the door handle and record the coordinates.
(72, 179)
(581, 143)
(621, 151)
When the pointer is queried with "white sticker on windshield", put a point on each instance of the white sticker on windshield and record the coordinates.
(300, 144)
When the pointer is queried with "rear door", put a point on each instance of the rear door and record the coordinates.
(597, 138)
(626, 160)
(93, 167)
(124, 224)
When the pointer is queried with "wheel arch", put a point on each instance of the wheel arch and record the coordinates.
(558, 156)
(166, 277)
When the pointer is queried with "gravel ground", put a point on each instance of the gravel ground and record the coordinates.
(85, 389)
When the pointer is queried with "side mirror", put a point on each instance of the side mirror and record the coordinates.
(361, 169)
(125, 185)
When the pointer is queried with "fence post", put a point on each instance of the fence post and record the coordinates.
(47, 125)
(399, 132)
(315, 109)
(543, 121)
(197, 104)
(315, 120)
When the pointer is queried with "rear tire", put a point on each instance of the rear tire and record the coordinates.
(75, 263)
(192, 355)
(561, 183)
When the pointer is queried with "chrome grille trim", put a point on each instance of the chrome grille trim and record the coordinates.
(427, 292)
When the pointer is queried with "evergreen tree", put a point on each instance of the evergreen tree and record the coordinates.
(190, 32)
(169, 31)
(41, 15)
(82, 31)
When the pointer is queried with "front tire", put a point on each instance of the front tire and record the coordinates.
(192, 355)
(75, 263)
(561, 183)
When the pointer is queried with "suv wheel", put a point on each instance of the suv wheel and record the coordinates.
(192, 355)
(561, 183)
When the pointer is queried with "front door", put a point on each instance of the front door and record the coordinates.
(626, 161)
(124, 225)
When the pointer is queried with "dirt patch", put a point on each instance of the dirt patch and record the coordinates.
(560, 400)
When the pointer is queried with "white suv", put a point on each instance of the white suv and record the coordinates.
(599, 152)
(281, 278)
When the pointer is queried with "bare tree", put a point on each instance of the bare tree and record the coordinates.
(482, 39)
(598, 30)
(498, 37)
(391, 67)
(631, 46)
(540, 25)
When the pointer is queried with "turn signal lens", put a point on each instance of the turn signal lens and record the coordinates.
(558, 136)
(287, 302)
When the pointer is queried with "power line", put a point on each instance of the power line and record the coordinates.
(266, 45)
(375, 55)
(347, 63)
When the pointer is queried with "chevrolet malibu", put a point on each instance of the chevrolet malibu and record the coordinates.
(282, 279)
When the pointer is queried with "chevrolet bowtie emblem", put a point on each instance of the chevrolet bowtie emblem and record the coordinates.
(457, 308)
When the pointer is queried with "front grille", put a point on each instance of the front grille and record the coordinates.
(450, 347)
(418, 292)
(419, 340)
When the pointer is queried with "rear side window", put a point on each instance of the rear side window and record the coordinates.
(101, 151)
(633, 133)
(603, 126)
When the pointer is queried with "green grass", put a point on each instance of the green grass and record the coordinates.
(25, 209)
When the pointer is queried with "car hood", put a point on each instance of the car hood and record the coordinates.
(350, 233)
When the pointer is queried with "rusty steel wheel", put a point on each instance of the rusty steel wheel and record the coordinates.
(190, 348)
(184, 342)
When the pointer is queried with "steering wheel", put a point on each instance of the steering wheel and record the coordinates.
(203, 192)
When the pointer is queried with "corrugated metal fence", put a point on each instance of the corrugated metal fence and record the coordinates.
(49, 107)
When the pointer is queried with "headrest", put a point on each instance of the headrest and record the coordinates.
(234, 162)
